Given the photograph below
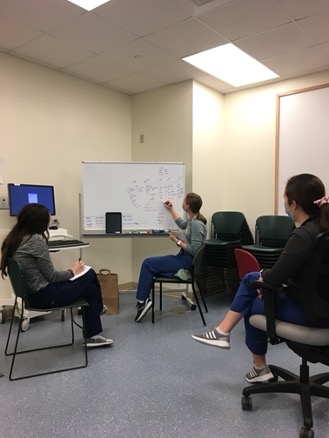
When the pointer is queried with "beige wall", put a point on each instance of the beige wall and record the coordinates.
(50, 122)
(164, 117)
(248, 157)
(208, 145)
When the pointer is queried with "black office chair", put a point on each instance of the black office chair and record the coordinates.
(16, 276)
(271, 235)
(230, 230)
(194, 281)
(311, 344)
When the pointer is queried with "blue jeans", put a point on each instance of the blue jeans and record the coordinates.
(161, 265)
(247, 302)
(66, 292)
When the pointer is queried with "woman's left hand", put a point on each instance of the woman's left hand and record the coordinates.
(173, 237)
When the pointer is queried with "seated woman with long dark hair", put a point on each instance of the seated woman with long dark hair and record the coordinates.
(48, 288)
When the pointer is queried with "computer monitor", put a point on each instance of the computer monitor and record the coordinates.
(22, 194)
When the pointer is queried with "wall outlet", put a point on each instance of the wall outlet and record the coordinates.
(4, 203)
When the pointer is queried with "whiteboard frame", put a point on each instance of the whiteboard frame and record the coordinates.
(86, 231)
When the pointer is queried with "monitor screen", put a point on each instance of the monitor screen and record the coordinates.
(22, 194)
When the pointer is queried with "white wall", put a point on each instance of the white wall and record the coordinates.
(51, 122)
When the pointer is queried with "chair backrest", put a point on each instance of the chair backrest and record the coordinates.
(245, 262)
(197, 262)
(315, 285)
(231, 226)
(16, 277)
(273, 230)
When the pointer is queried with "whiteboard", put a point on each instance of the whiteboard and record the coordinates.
(135, 189)
(303, 137)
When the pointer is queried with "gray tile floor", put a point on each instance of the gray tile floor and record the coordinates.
(155, 381)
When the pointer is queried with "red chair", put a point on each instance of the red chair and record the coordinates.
(245, 262)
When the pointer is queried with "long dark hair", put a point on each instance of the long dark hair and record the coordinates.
(32, 219)
(304, 189)
(194, 201)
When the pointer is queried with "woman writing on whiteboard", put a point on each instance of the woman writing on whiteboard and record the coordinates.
(47, 288)
(195, 234)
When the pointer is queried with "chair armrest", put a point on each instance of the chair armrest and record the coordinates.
(269, 292)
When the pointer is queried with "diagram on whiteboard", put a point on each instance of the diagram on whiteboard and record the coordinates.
(137, 190)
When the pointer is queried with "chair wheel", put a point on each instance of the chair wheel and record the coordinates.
(25, 324)
(246, 403)
(306, 433)
(183, 297)
(193, 307)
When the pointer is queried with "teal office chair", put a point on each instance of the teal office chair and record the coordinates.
(272, 233)
(310, 343)
(195, 281)
(16, 276)
(230, 230)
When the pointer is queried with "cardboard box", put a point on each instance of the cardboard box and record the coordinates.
(110, 291)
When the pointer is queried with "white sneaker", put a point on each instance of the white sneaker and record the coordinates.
(98, 341)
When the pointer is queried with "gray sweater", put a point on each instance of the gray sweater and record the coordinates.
(196, 233)
(37, 265)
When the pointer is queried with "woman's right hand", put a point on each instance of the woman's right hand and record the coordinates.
(167, 204)
(78, 267)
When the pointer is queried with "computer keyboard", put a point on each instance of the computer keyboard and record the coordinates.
(64, 243)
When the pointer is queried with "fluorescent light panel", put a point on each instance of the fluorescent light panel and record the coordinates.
(231, 65)
(89, 5)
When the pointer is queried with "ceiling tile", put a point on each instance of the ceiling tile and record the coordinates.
(141, 42)
(139, 55)
(92, 33)
(216, 84)
(136, 83)
(275, 42)
(186, 38)
(98, 68)
(196, 10)
(41, 14)
(238, 19)
(317, 57)
(175, 71)
(51, 51)
(317, 27)
(13, 34)
(142, 17)
(304, 8)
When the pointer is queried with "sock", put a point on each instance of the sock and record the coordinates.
(221, 332)
(261, 367)
(140, 302)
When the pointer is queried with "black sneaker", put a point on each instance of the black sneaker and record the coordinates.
(142, 309)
